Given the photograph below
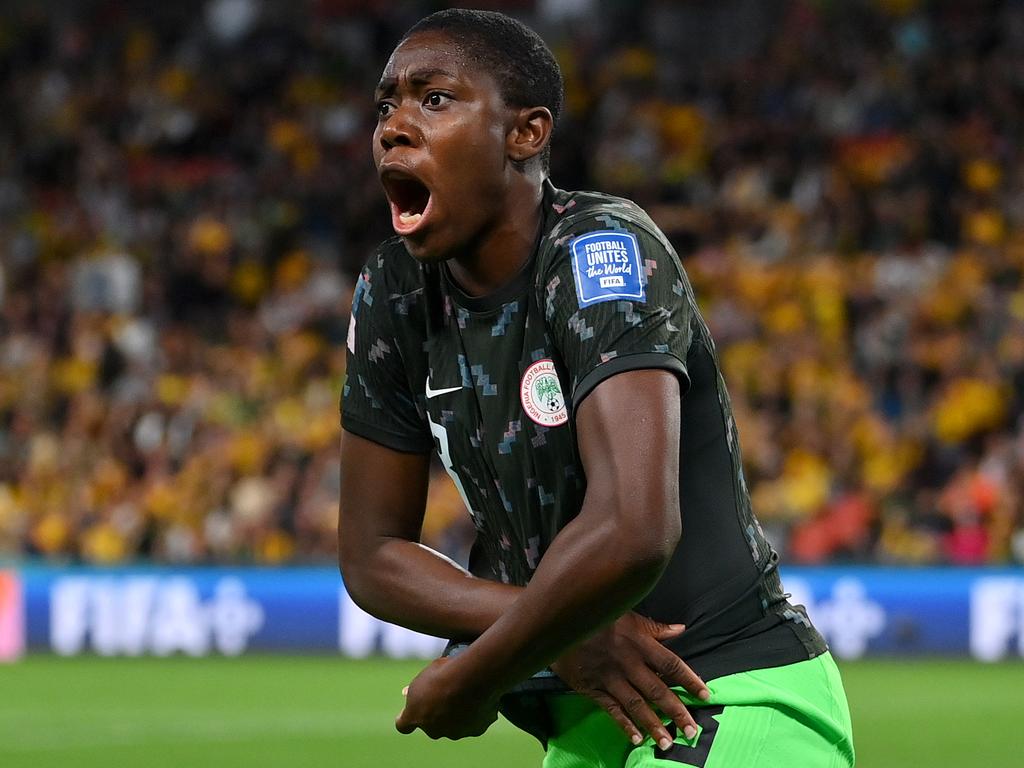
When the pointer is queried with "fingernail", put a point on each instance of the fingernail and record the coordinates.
(677, 627)
(665, 742)
(405, 691)
(690, 731)
(636, 738)
(704, 695)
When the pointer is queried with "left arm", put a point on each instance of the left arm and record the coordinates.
(597, 568)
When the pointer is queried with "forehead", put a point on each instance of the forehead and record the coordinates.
(432, 53)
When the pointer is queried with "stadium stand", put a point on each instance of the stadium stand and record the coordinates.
(186, 195)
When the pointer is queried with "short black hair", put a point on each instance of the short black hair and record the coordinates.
(513, 54)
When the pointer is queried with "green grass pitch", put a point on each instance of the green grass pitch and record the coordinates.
(309, 712)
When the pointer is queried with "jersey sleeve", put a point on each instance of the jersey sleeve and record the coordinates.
(617, 299)
(376, 402)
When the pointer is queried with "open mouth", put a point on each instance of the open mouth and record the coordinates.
(409, 199)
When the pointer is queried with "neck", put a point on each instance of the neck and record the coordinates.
(504, 248)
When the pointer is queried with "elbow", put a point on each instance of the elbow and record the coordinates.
(662, 525)
(356, 576)
(367, 573)
(347, 556)
(355, 561)
(656, 552)
(647, 553)
(360, 587)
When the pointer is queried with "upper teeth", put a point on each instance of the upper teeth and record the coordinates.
(410, 218)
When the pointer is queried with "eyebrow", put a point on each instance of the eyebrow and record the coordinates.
(388, 85)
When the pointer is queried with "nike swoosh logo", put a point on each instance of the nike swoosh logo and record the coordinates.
(436, 392)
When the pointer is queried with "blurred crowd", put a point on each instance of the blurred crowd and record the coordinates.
(186, 194)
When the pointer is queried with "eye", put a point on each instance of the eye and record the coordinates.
(384, 108)
(436, 99)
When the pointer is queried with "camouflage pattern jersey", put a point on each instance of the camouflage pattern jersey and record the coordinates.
(492, 384)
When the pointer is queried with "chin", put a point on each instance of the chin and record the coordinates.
(423, 252)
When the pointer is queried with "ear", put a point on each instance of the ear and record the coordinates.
(529, 134)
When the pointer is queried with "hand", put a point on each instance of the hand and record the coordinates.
(441, 706)
(626, 670)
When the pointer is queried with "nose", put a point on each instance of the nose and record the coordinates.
(396, 130)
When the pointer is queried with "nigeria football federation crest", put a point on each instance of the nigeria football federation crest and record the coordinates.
(541, 395)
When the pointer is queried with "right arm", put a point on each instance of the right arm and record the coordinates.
(386, 570)
(385, 462)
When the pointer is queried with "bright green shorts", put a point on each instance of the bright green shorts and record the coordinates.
(795, 716)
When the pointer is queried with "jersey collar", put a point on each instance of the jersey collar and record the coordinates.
(523, 279)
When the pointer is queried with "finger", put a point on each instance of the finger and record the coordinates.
(674, 671)
(656, 629)
(663, 632)
(403, 723)
(656, 692)
(641, 713)
(609, 705)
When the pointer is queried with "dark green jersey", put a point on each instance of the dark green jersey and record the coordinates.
(492, 384)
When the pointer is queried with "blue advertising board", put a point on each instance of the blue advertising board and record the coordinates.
(863, 611)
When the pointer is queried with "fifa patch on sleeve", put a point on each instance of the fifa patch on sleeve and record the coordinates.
(606, 266)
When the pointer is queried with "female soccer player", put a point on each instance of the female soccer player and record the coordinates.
(548, 346)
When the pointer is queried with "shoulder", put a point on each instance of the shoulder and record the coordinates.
(579, 221)
(389, 277)
(388, 303)
(606, 246)
(578, 212)
(391, 264)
